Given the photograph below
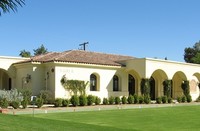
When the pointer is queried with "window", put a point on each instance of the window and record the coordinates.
(115, 83)
(93, 82)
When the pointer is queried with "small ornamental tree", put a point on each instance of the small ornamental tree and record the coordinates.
(186, 88)
(145, 87)
(167, 85)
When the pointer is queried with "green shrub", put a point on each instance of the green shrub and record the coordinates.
(179, 99)
(39, 102)
(105, 101)
(97, 100)
(130, 99)
(158, 100)
(46, 96)
(124, 100)
(183, 99)
(74, 100)
(58, 102)
(111, 100)
(189, 98)
(141, 99)
(4, 103)
(83, 100)
(164, 99)
(90, 100)
(136, 99)
(169, 100)
(147, 99)
(117, 100)
(24, 103)
(26, 95)
(15, 104)
(65, 102)
(198, 99)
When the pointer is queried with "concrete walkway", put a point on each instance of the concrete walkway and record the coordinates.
(50, 109)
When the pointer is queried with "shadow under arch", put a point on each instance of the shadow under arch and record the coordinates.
(156, 83)
(177, 80)
(133, 82)
(5, 80)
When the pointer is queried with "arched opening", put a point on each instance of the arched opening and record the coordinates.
(93, 82)
(134, 81)
(131, 84)
(5, 80)
(115, 83)
(156, 83)
(152, 88)
(177, 80)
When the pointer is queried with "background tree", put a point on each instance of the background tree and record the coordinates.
(24, 53)
(7, 5)
(40, 50)
(192, 54)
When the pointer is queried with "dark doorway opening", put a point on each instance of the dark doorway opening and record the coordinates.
(131, 85)
(152, 88)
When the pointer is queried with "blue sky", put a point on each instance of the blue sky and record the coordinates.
(140, 28)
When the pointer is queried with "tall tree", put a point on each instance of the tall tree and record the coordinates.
(40, 50)
(24, 53)
(192, 54)
(7, 5)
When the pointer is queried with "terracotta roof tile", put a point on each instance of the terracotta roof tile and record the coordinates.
(80, 56)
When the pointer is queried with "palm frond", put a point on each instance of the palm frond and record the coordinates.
(7, 5)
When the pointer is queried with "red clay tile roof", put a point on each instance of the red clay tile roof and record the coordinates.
(80, 56)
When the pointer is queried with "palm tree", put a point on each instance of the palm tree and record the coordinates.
(7, 5)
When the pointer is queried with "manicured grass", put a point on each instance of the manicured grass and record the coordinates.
(166, 118)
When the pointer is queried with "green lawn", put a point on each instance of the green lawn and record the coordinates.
(165, 118)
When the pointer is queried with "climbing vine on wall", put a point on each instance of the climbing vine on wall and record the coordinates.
(74, 86)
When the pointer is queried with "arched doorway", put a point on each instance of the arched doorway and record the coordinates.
(152, 88)
(177, 80)
(5, 80)
(131, 84)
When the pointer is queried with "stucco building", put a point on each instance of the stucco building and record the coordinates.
(108, 74)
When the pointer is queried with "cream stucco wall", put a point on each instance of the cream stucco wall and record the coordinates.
(78, 72)
(47, 76)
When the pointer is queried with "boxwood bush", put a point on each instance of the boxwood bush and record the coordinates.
(97, 100)
(164, 99)
(136, 99)
(159, 100)
(117, 100)
(65, 102)
(179, 99)
(90, 100)
(111, 100)
(189, 98)
(82, 100)
(39, 102)
(169, 100)
(105, 101)
(24, 103)
(74, 100)
(141, 99)
(3, 103)
(124, 100)
(147, 99)
(130, 99)
(15, 104)
(58, 102)
(183, 99)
